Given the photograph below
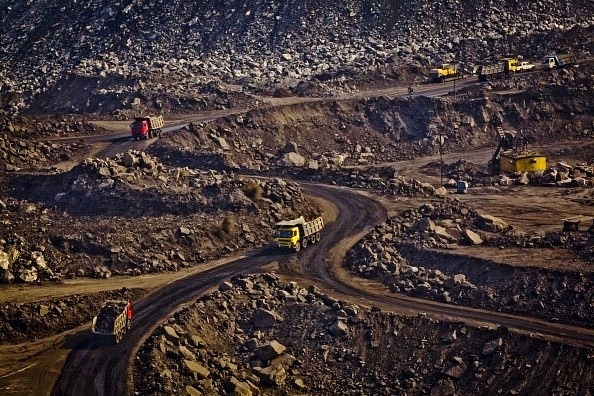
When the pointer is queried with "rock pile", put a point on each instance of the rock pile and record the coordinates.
(243, 144)
(258, 335)
(383, 180)
(402, 254)
(72, 224)
(255, 44)
(23, 154)
(560, 174)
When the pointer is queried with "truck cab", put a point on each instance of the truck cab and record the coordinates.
(510, 64)
(557, 60)
(139, 128)
(548, 62)
(146, 127)
(287, 235)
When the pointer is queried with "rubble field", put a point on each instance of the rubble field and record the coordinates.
(258, 335)
(257, 111)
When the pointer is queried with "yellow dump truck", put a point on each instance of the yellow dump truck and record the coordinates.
(443, 73)
(297, 233)
(504, 68)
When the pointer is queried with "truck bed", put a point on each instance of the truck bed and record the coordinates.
(105, 321)
(311, 227)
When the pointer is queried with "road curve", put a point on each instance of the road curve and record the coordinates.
(358, 213)
(97, 368)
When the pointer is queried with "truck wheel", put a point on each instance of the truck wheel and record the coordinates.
(304, 243)
(118, 337)
(318, 237)
(297, 247)
(312, 240)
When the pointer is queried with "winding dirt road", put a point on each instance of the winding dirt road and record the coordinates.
(77, 363)
(95, 368)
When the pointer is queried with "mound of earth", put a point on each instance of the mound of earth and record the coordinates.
(258, 335)
(22, 322)
(415, 252)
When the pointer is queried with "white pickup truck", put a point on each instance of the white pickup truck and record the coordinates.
(524, 66)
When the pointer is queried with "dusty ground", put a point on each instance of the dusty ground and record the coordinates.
(63, 234)
(418, 291)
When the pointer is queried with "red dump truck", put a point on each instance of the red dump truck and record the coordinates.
(146, 127)
(114, 319)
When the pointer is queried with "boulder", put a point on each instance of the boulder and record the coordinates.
(339, 328)
(263, 318)
(186, 353)
(197, 370)
(472, 237)
(294, 159)
(492, 346)
(491, 223)
(171, 334)
(273, 375)
(269, 350)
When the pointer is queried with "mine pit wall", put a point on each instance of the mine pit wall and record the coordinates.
(401, 128)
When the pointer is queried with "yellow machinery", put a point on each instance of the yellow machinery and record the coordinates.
(505, 67)
(511, 155)
(511, 64)
(511, 161)
(443, 73)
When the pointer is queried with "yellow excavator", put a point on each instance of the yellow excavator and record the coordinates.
(512, 155)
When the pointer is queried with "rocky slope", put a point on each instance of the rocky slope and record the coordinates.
(72, 223)
(182, 202)
(414, 252)
(325, 135)
(101, 57)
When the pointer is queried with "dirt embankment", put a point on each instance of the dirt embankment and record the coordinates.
(539, 108)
